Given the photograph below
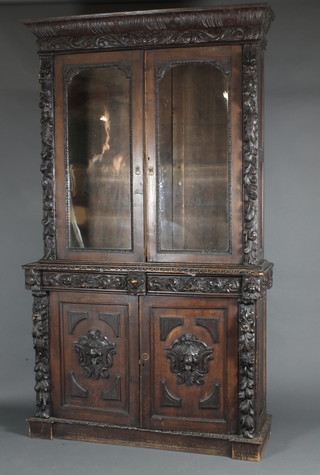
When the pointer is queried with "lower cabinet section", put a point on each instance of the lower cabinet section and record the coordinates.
(151, 362)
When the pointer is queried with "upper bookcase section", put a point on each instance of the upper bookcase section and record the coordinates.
(153, 28)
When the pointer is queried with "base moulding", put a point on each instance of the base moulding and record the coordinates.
(216, 444)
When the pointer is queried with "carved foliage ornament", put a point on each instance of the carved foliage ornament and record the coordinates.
(189, 359)
(95, 353)
(247, 370)
(250, 152)
(47, 167)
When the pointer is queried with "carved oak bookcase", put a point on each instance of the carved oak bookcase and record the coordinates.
(150, 301)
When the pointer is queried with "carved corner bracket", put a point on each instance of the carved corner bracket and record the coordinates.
(255, 286)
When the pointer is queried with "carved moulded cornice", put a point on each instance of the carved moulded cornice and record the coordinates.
(153, 28)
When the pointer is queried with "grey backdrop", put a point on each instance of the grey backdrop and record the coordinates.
(292, 238)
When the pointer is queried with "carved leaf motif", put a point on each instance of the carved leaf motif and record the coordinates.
(40, 335)
(247, 370)
(189, 359)
(95, 354)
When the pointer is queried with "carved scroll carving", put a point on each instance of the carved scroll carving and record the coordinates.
(247, 370)
(85, 281)
(47, 155)
(189, 359)
(250, 153)
(194, 284)
(40, 335)
(95, 354)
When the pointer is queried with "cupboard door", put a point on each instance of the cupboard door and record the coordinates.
(193, 143)
(189, 358)
(94, 357)
(99, 149)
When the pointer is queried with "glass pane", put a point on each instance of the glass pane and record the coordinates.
(98, 103)
(193, 158)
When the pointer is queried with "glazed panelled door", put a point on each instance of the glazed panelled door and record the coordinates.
(193, 144)
(99, 106)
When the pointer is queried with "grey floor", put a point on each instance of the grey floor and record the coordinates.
(293, 449)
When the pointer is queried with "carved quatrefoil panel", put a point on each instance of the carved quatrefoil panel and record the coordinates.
(189, 359)
(95, 353)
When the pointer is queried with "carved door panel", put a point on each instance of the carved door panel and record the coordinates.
(190, 366)
(95, 357)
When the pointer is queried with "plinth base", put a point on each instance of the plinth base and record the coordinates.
(215, 444)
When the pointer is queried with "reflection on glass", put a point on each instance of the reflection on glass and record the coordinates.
(192, 156)
(99, 159)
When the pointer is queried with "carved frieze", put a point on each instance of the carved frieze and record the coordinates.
(85, 281)
(189, 359)
(247, 370)
(40, 335)
(210, 285)
(95, 353)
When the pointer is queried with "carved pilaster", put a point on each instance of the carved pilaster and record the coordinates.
(47, 155)
(40, 315)
(250, 153)
(247, 370)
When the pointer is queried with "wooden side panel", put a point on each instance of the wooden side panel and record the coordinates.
(94, 357)
(189, 373)
(261, 363)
